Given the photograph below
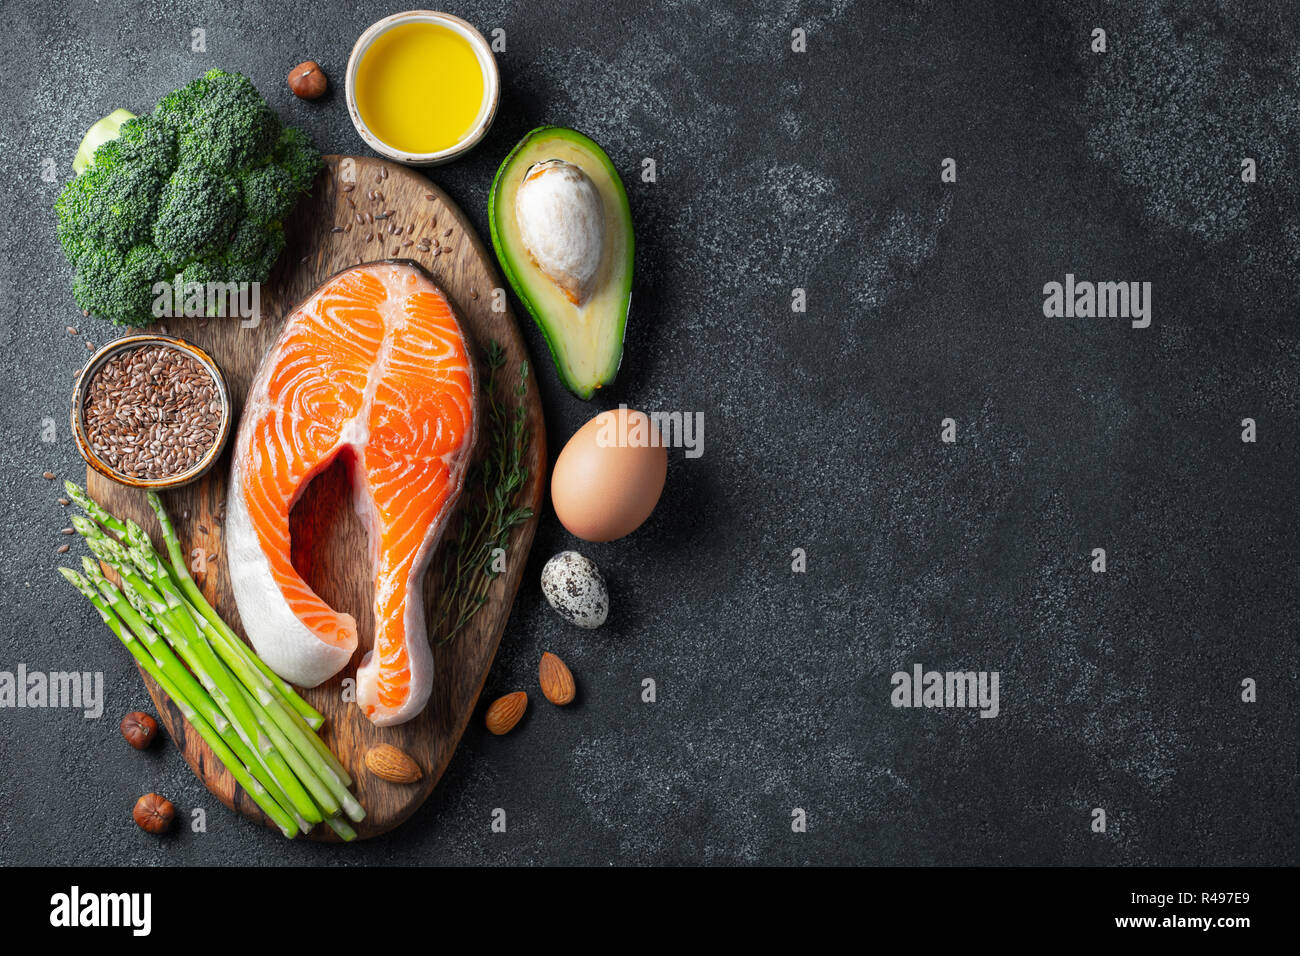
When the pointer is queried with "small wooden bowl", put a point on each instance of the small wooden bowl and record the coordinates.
(491, 86)
(144, 340)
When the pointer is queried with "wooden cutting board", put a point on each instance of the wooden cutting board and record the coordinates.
(329, 543)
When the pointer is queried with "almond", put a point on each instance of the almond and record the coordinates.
(505, 712)
(556, 680)
(388, 763)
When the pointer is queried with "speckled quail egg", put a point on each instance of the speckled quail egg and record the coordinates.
(575, 589)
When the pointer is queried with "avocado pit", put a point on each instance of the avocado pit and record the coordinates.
(562, 225)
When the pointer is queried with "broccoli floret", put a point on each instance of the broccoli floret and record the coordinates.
(197, 213)
(112, 205)
(252, 252)
(231, 126)
(145, 142)
(177, 108)
(199, 187)
(299, 158)
(268, 193)
(119, 286)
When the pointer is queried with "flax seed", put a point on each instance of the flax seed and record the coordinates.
(152, 411)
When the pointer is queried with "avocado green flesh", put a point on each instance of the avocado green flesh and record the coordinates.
(586, 341)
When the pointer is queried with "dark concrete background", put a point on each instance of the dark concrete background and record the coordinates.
(821, 170)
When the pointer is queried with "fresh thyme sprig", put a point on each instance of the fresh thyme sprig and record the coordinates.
(491, 511)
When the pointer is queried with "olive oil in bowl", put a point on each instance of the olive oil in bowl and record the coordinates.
(424, 87)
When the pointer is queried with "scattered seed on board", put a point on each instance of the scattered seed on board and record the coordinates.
(203, 529)
(406, 243)
(410, 229)
(349, 187)
(383, 173)
(473, 293)
(396, 249)
(379, 197)
(212, 559)
(337, 229)
(48, 476)
(370, 217)
(348, 227)
(429, 196)
(446, 234)
(351, 203)
(152, 412)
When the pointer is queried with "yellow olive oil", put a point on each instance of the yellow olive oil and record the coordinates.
(419, 87)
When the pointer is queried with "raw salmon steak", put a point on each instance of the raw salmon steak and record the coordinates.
(374, 361)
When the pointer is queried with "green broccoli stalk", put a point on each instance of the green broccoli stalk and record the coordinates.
(199, 188)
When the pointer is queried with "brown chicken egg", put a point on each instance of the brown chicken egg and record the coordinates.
(609, 476)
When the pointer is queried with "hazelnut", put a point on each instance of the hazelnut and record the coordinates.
(307, 80)
(153, 814)
(139, 729)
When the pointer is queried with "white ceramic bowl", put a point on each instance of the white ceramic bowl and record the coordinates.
(491, 86)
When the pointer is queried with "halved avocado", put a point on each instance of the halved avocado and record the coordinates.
(583, 318)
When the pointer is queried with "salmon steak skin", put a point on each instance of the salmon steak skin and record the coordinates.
(373, 362)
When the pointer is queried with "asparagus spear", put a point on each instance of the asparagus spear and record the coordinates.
(181, 575)
(221, 643)
(165, 598)
(180, 685)
(129, 530)
(342, 828)
(303, 716)
(272, 691)
(261, 796)
(178, 628)
(91, 507)
(274, 717)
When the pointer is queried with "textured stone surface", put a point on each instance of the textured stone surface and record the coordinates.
(778, 170)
